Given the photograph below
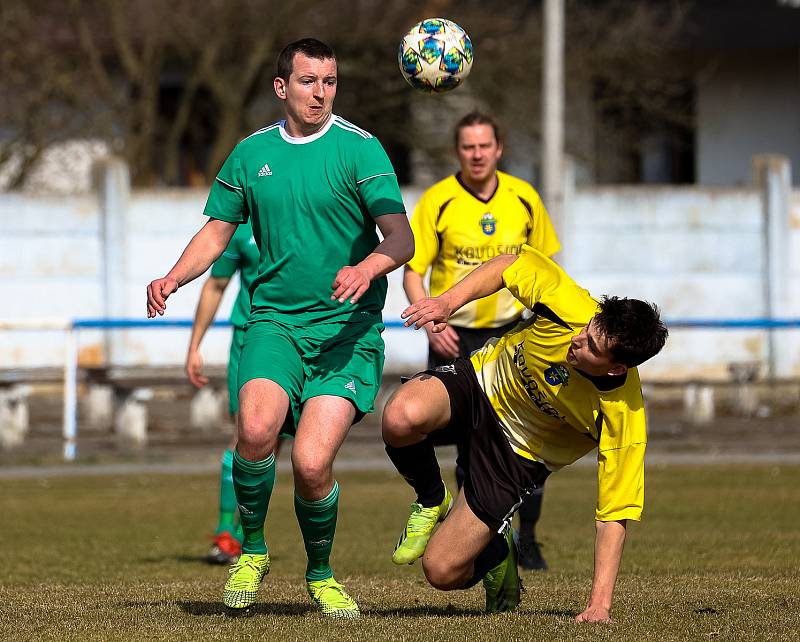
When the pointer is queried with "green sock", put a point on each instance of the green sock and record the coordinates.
(317, 521)
(253, 481)
(227, 496)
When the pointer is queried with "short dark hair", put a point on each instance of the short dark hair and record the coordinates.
(310, 47)
(633, 328)
(476, 117)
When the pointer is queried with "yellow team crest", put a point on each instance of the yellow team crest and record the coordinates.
(556, 375)
(488, 224)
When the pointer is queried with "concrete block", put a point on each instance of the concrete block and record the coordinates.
(130, 422)
(206, 410)
(14, 415)
(100, 407)
(745, 396)
(698, 404)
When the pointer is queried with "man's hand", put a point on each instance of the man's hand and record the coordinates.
(157, 293)
(433, 310)
(350, 283)
(444, 343)
(594, 614)
(194, 369)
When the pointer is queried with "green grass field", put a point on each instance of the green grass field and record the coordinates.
(87, 558)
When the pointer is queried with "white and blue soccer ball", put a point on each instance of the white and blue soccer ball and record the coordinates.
(435, 55)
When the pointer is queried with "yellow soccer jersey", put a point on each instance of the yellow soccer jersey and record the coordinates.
(455, 232)
(549, 411)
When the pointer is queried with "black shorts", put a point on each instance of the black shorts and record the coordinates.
(469, 340)
(497, 479)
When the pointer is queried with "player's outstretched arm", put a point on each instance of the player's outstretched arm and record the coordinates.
(207, 306)
(204, 248)
(609, 542)
(397, 247)
(482, 281)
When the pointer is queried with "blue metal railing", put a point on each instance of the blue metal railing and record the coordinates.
(98, 323)
(71, 349)
(728, 324)
(722, 324)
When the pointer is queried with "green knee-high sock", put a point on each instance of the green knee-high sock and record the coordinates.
(253, 482)
(317, 521)
(227, 496)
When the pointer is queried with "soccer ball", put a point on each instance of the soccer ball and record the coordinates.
(435, 55)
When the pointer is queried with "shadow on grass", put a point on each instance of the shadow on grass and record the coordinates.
(259, 608)
(204, 609)
(424, 611)
(184, 559)
(566, 613)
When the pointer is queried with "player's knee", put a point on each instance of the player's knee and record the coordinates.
(311, 473)
(441, 574)
(403, 416)
(255, 438)
(391, 421)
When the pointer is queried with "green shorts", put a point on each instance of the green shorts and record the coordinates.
(339, 359)
(235, 354)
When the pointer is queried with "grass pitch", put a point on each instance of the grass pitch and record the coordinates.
(716, 558)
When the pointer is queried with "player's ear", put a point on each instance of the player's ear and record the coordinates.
(618, 370)
(280, 88)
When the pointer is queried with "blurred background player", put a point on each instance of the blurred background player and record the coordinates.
(458, 224)
(241, 256)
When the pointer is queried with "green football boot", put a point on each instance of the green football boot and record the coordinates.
(502, 583)
(419, 529)
(244, 577)
(332, 599)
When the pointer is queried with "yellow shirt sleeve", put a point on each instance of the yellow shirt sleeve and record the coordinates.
(426, 238)
(533, 277)
(543, 235)
(620, 456)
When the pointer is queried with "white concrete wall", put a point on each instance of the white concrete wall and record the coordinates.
(698, 253)
(50, 259)
(747, 103)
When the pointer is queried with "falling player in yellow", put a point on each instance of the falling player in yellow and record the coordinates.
(459, 223)
(536, 399)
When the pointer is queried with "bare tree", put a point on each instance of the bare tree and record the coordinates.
(100, 68)
(624, 73)
(125, 45)
(226, 52)
(626, 61)
(42, 102)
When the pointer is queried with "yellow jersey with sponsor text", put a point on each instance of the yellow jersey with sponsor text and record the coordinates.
(551, 412)
(455, 232)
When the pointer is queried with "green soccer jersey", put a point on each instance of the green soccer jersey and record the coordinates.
(312, 202)
(242, 255)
